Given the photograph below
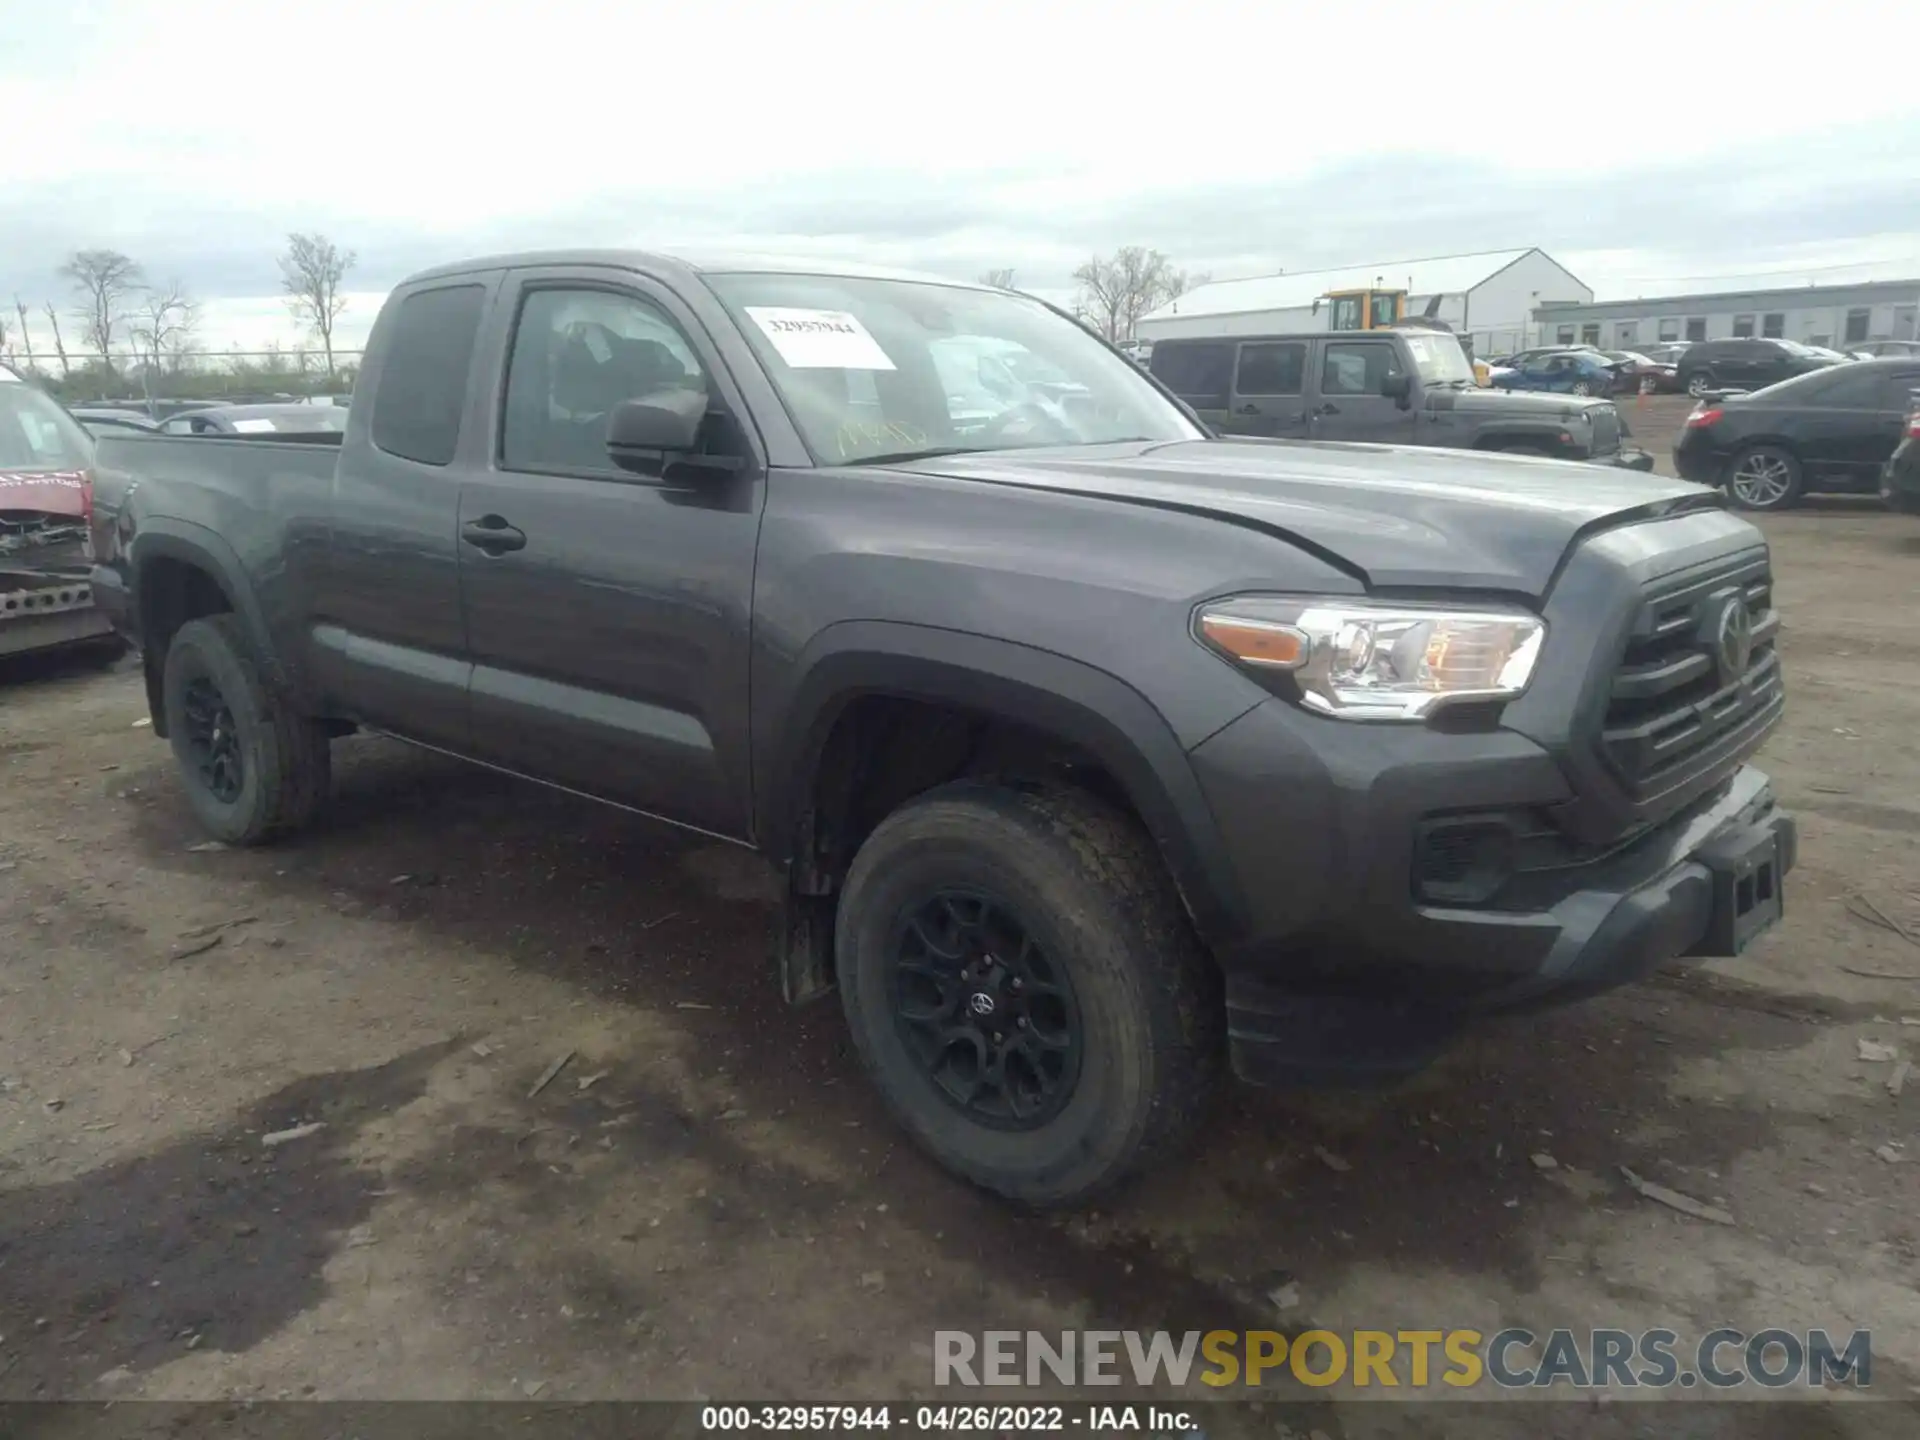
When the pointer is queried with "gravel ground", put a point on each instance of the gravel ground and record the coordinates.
(707, 1201)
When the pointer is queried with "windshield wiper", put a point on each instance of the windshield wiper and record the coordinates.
(900, 457)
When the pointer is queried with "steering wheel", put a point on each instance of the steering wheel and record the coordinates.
(1033, 420)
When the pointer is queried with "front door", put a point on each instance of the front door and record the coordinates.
(1269, 389)
(608, 612)
(1348, 404)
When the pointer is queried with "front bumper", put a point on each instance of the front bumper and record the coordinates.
(46, 612)
(1345, 976)
(1630, 460)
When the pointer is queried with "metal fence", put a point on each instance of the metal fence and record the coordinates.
(82, 375)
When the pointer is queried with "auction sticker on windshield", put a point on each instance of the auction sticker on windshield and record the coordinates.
(819, 339)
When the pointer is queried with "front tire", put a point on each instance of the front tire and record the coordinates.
(1699, 383)
(252, 769)
(1024, 989)
(1765, 477)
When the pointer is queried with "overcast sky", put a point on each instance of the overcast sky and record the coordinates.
(1649, 147)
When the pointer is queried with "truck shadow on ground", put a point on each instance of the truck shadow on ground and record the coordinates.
(211, 1243)
(1281, 1189)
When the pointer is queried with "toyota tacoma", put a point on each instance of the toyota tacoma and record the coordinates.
(1098, 754)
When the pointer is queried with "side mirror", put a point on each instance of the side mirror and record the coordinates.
(1398, 388)
(645, 433)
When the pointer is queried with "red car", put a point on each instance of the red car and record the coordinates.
(1632, 367)
(46, 502)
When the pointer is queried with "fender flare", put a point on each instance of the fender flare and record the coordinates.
(1079, 703)
(164, 538)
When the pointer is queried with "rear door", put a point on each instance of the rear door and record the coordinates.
(1348, 404)
(1200, 372)
(1752, 364)
(1269, 389)
(388, 642)
(1851, 422)
(608, 612)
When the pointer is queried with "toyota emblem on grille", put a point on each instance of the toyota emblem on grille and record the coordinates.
(1734, 642)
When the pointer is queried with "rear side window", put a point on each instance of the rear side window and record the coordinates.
(1271, 369)
(1198, 373)
(423, 379)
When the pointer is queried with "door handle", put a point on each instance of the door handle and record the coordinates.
(1249, 410)
(1328, 409)
(492, 534)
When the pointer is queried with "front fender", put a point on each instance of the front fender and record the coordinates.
(1051, 693)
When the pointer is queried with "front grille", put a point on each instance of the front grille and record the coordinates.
(1606, 430)
(1681, 704)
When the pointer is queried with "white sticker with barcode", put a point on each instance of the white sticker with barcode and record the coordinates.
(819, 339)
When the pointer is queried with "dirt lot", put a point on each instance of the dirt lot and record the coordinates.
(707, 1202)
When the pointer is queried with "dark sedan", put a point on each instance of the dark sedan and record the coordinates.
(292, 419)
(1747, 364)
(1830, 431)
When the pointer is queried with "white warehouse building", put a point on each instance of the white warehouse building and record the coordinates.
(1831, 315)
(1492, 296)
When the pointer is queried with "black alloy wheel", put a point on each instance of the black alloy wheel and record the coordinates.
(213, 740)
(992, 1020)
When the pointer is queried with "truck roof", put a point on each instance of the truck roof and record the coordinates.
(683, 266)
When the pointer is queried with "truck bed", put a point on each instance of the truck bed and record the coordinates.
(213, 480)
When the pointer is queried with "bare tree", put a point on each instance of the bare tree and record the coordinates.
(164, 323)
(26, 330)
(59, 345)
(1001, 279)
(106, 279)
(310, 273)
(1116, 292)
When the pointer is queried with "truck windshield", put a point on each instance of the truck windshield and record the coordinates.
(892, 369)
(35, 433)
(1439, 359)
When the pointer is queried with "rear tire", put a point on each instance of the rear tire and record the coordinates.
(1127, 1014)
(253, 770)
(1765, 477)
(1699, 383)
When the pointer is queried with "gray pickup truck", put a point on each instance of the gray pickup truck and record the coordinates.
(1387, 387)
(1094, 750)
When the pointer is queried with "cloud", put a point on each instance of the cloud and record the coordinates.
(1014, 135)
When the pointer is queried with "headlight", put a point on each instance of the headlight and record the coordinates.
(1366, 660)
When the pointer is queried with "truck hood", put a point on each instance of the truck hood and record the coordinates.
(1393, 517)
(1533, 404)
